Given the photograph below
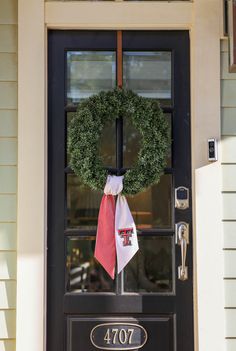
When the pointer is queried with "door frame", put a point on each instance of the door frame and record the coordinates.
(34, 19)
(176, 42)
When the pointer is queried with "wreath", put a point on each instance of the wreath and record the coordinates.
(85, 132)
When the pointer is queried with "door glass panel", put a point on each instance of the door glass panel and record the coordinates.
(84, 273)
(107, 147)
(169, 156)
(82, 204)
(153, 207)
(89, 72)
(148, 74)
(131, 144)
(107, 143)
(150, 209)
(150, 270)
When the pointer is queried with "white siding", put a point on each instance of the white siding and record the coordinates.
(229, 229)
(230, 293)
(230, 344)
(228, 123)
(8, 172)
(228, 148)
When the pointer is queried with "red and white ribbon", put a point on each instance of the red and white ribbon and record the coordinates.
(116, 232)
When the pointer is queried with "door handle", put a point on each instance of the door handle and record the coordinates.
(182, 239)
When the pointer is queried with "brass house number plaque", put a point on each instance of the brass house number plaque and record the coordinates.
(118, 336)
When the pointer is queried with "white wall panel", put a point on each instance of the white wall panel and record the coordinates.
(230, 293)
(229, 177)
(8, 152)
(8, 38)
(229, 229)
(228, 121)
(8, 95)
(224, 45)
(229, 263)
(8, 123)
(228, 148)
(8, 66)
(7, 236)
(230, 323)
(225, 74)
(8, 324)
(231, 344)
(8, 176)
(7, 266)
(8, 11)
(228, 93)
(7, 208)
(7, 294)
(229, 206)
(7, 345)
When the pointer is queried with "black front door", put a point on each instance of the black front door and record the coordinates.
(150, 304)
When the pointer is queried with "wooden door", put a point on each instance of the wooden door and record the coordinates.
(86, 310)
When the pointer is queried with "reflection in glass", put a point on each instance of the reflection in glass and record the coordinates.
(153, 207)
(131, 143)
(150, 270)
(82, 204)
(107, 143)
(107, 147)
(150, 209)
(169, 156)
(84, 273)
(89, 72)
(148, 73)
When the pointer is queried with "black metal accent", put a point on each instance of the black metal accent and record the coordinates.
(111, 303)
(121, 171)
(73, 108)
(74, 232)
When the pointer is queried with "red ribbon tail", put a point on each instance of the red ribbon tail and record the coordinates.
(105, 249)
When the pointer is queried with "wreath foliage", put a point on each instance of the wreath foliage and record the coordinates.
(85, 132)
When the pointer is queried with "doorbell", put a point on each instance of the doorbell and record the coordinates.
(212, 150)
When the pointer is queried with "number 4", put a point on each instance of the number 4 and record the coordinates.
(107, 337)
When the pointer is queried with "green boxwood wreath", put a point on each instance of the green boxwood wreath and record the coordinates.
(85, 132)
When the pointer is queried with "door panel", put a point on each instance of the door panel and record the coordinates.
(148, 292)
(160, 332)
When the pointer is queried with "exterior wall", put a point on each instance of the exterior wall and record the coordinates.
(202, 19)
(8, 171)
(229, 194)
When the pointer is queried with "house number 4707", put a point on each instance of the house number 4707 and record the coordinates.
(121, 336)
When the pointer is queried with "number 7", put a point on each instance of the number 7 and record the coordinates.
(130, 334)
(115, 331)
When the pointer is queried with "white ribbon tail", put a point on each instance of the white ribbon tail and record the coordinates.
(125, 233)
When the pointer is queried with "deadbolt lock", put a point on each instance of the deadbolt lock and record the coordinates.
(182, 198)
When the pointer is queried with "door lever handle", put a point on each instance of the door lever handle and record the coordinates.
(182, 239)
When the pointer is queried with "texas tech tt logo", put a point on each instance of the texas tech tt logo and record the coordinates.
(126, 234)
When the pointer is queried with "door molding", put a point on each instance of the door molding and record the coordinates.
(102, 15)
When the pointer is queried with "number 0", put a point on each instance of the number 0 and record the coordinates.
(123, 336)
